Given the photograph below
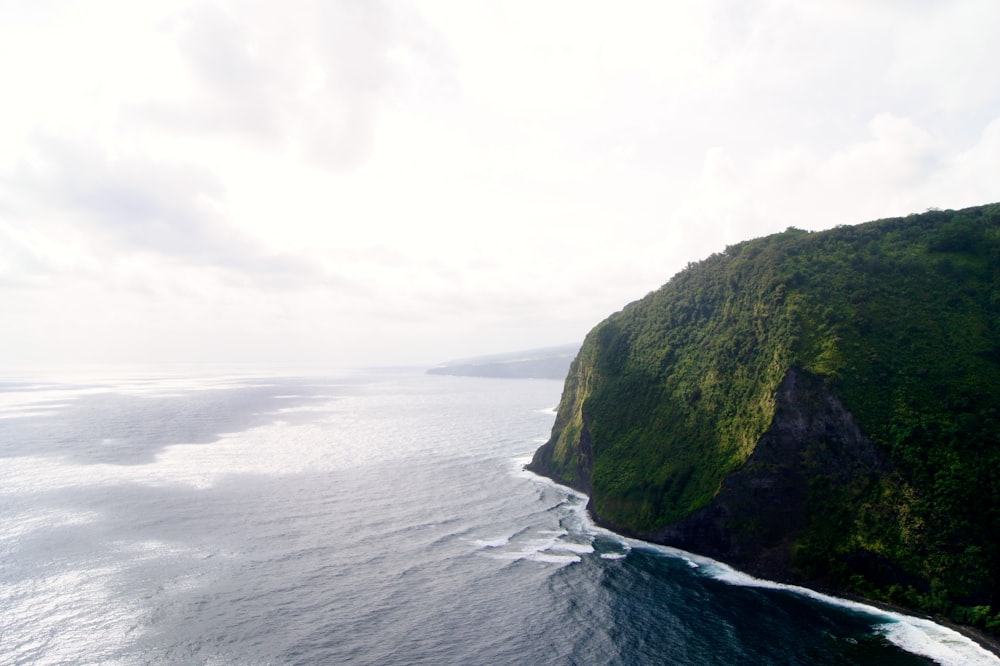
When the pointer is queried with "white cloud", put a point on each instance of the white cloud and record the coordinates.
(417, 180)
(898, 168)
(311, 77)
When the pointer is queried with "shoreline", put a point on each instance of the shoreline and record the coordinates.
(985, 641)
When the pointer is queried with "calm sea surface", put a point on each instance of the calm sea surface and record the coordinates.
(359, 518)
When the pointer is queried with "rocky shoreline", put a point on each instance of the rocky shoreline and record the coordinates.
(774, 574)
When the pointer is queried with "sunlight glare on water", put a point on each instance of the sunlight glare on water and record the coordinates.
(359, 519)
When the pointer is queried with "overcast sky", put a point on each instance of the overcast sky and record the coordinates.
(365, 182)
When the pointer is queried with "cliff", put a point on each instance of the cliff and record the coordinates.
(812, 407)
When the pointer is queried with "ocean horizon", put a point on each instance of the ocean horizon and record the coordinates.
(291, 516)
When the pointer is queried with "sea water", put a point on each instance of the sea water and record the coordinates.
(362, 517)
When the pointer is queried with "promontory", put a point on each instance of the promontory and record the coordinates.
(812, 407)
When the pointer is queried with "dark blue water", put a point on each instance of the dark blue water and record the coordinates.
(369, 518)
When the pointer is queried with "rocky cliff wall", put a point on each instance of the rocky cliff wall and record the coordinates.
(765, 506)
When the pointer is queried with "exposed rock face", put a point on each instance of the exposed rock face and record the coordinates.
(764, 506)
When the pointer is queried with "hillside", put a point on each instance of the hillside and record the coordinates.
(544, 363)
(814, 407)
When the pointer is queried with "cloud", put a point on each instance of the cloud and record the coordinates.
(900, 167)
(246, 178)
(236, 90)
(939, 53)
(19, 264)
(309, 76)
(970, 176)
(130, 203)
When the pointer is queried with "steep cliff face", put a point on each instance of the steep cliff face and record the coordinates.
(568, 456)
(819, 407)
(765, 507)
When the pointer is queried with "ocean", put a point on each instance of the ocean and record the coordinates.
(358, 517)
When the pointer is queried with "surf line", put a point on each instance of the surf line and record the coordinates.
(913, 634)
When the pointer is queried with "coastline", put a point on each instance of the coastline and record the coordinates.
(986, 642)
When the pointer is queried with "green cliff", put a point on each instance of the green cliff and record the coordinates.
(818, 407)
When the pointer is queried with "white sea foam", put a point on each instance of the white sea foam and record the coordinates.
(554, 558)
(491, 543)
(582, 548)
(613, 556)
(547, 557)
(913, 634)
(547, 546)
(943, 645)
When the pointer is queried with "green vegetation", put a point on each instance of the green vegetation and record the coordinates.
(901, 320)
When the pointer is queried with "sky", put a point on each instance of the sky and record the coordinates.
(347, 182)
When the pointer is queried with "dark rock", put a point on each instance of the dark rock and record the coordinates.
(762, 508)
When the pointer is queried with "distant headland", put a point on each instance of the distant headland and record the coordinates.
(543, 363)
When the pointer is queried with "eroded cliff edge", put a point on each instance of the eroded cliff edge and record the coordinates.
(812, 452)
(811, 407)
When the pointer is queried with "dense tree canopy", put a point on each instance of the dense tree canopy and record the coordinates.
(900, 318)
